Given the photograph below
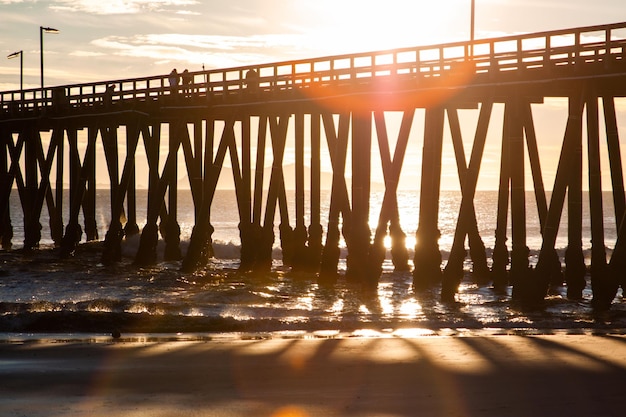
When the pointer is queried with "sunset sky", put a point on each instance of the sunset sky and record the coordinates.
(116, 39)
(113, 39)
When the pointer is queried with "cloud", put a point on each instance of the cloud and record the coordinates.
(86, 54)
(215, 50)
(109, 7)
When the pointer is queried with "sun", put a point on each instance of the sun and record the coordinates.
(366, 25)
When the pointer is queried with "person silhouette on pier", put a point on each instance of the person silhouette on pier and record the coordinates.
(174, 80)
(252, 81)
(187, 80)
(107, 98)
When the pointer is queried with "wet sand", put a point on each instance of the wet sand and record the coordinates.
(498, 375)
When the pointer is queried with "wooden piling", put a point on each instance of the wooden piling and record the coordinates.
(56, 220)
(359, 232)
(500, 257)
(278, 131)
(519, 250)
(315, 228)
(575, 268)
(389, 217)
(89, 202)
(6, 228)
(427, 259)
(477, 251)
(544, 271)
(178, 131)
(32, 226)
(339, 203)
(81, 173)
(466, 223)
(300, 235)
(605, 286)
(598, 250)
(146, 253)
(615, 159)
(113, 238)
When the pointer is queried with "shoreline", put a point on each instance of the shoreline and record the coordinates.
(364, 333)
(486, 376)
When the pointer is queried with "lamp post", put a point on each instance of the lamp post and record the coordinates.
(472, 14)
(14, 55)
(41, 31)
(472, 21)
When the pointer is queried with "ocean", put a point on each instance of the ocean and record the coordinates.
(41, 294)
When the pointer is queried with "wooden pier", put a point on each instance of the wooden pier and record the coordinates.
(340, 100)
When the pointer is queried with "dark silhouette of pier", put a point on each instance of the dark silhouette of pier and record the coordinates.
(344, 97)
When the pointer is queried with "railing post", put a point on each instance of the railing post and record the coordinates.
(607, 52)
(441, 60)
(547, 57)
(493, 64)
(576, 53)
(418, 61)
(520, 57)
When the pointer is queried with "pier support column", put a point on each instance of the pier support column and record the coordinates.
(109, 145)
(147, 251)
(242, 178)
(251, 236)
(80, 175)
(74, 171)
(575, 268)
(32, 226)
(389, 214)
(427, 260)
(131, 228)
(6, 183)
(466, 223)
(89, 202)
(243, 184)
(44, 193)
(278, 131)
(500, 251)
(359, 232)
(605, 286)
(598, 250)
(545, 270)
(56, 221)
(113, 238)
(300, 235)
(315, 228)
(172, 229)
(208, 188)
(200, 243)
(519, 250)
(615, 159)
(477, 253)
(554, 265)
(194, 161)
(339, 201)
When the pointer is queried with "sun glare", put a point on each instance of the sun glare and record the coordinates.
(373, 24)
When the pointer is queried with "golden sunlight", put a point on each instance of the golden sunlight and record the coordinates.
(372, 24)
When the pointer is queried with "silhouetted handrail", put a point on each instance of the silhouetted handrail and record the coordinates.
(542, 50)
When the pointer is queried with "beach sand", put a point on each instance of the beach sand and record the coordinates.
(495, 375)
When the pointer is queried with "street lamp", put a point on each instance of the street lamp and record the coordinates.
(41, 31)
(472, 21)
(473, 8)
(14, 55)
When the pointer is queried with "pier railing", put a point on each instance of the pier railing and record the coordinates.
(605, 45)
